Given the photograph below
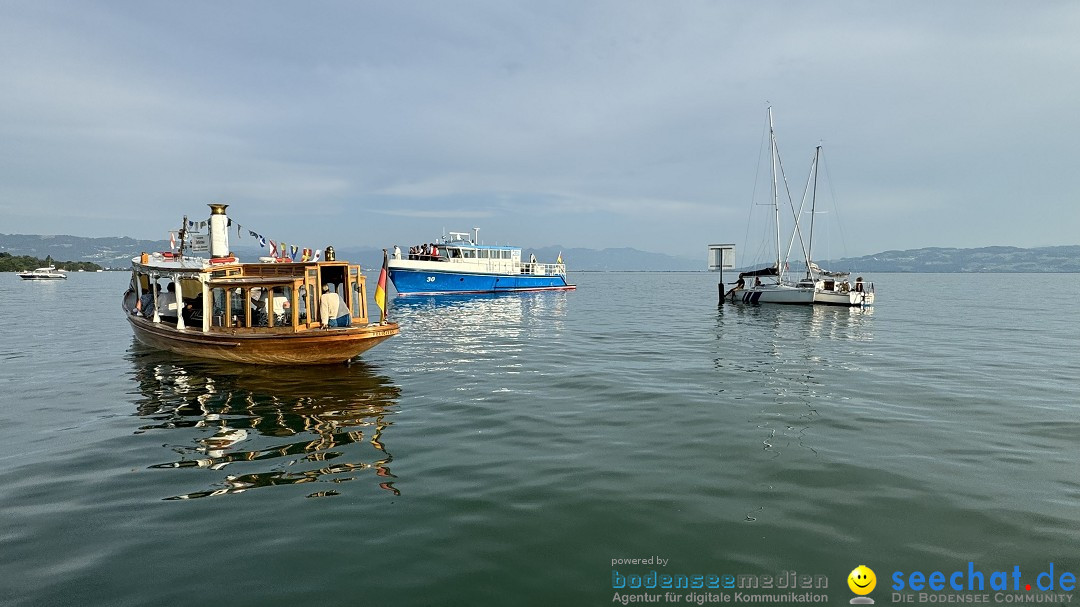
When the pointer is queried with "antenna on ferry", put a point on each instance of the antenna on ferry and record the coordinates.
(183, 234)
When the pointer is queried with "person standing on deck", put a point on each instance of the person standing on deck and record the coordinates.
(332, 310)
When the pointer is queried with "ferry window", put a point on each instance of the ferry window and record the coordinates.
(468, 253)
(238, 310)
(356, 298)
(281, 305)
(259, 297)
(217, 307)
(506, 254)
(301, 305)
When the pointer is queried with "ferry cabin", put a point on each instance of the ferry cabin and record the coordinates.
(238, 299)
(458, 248)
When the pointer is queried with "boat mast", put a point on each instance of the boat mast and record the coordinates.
(183, 235)
(813, 211)
(775, 194)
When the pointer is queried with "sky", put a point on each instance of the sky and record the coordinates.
(576, 123)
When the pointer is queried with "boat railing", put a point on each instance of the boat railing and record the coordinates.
(544, 269)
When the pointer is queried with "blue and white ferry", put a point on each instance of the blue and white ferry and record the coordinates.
(458, 263)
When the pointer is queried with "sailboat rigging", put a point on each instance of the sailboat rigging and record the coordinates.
(818, 286)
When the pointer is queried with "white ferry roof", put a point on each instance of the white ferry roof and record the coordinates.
(492, 247)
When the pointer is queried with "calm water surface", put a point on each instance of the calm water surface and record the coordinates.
(503, 450)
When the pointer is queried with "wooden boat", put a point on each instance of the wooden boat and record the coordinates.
(258, 313)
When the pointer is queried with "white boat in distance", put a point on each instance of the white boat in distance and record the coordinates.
(48, 273)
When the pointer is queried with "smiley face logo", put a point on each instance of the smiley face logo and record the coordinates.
(862, 580)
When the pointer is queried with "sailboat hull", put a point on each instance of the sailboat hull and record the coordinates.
(778, 294)
(850, 298)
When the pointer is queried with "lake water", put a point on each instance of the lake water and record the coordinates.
(504, 450)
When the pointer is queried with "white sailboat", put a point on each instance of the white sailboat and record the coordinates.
(771, 284)
(831, 288)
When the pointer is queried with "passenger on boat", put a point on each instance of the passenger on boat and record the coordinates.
(282, 306)
(167, 301)
(193, 309)
(858, 285)
(332, 310)
(738, 287)
(397, 252)
(145, 305)
(258, 307)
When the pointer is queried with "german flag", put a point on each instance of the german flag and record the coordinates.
(380, 289)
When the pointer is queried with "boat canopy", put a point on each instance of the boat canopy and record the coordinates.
(762, 272)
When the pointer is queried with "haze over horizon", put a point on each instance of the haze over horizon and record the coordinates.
(597, 124)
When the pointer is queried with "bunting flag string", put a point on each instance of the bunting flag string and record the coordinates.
(278, 251)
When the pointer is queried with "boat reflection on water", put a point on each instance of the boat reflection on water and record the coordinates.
(507, 314)
(267, 426)
(778, 354)
(478, 333)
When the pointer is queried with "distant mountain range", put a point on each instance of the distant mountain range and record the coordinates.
(117, 253)
(983, 259)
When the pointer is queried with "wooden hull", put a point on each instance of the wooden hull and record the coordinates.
(316, 347)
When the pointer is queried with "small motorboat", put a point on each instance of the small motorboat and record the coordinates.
(49, 273)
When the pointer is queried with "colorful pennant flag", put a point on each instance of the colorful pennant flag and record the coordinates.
(380, 289)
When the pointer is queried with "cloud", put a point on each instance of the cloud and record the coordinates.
(631, 118)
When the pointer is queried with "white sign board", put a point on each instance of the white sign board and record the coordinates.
(721, 257)
(200, 243)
